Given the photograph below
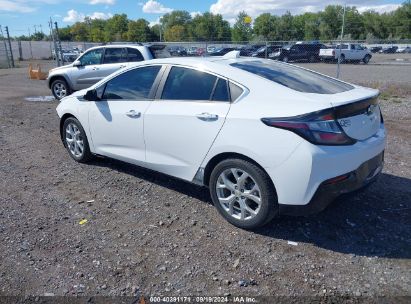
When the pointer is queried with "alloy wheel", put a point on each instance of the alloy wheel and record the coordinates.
(238, 193)
(74, 140)
(60, 90)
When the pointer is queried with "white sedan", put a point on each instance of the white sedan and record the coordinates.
(266, 137)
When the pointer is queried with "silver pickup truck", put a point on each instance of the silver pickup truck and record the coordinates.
(95, 64)
(349, 52)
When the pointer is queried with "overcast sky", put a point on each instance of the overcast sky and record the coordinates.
(24, 15)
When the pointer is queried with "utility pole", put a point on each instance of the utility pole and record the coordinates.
(31, 50)
(56, 54)
(341, 41)
(59, 42)
(11, 52)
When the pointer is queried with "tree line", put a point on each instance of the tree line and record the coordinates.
(181, 26)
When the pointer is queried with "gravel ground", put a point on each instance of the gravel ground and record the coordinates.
(150, 234)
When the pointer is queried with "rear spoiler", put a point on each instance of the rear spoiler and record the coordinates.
(157, 50)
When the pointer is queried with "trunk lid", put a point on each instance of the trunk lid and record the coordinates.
(360, 120)
(357, 111)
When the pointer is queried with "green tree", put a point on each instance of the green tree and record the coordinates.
(311, 26)
(242, 31)
(79, 31)
(155, 32)
(38, 36)
(175, 33)
(354, 25)
(401, 21)
(266, 26)
(176, 25)
(210, 27)
(331, 21)
(139, 31)
(116, 28)
(285, 27)
(96, 30)
(175, 18)
(65, 34)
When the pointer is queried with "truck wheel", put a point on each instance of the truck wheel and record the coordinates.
(312, 58)
(342, 58)
(285, 59)
(366, 59)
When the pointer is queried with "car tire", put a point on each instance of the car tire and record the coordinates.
(60, 88)
(248, 202)
(285, 59)
(341, 59)
(75, 140)
(366, 59)
(312, 59)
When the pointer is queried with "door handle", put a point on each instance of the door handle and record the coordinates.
(122, 66)
(95, 69)
(207, 116)
(133, 114)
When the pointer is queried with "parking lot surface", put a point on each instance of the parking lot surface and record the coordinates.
(151, 234)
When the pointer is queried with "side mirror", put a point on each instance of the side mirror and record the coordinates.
(77, 63)
(91, 95)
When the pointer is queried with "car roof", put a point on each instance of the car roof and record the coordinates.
(117, 46)
(219, 65)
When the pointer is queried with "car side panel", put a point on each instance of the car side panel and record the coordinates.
(78, 109)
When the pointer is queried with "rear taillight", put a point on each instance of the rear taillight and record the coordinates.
(319, 128)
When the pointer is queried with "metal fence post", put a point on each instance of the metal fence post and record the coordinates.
(341, 41)
(5, 47)
(59, 42)
(54, 43)
(20, 51)
(11, 51)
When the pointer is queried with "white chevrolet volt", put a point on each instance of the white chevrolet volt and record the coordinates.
(265, 137)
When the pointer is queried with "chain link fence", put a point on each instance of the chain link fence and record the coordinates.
(267, 49)
(4, 62)
(331, 52)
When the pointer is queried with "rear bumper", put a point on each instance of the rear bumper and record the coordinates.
(326, 57)
(327, 192)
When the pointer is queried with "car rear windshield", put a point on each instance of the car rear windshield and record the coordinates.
(294, 77)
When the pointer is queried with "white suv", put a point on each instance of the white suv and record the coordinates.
(92, 66)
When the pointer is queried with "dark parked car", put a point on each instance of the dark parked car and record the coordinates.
(262, 53)
(389, 50)
(177, 51)
(248, 50)
(221, 51)
(301, 51)
(375, 49)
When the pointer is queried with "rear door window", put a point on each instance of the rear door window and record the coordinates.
(134, 55)
(294, 77)
(221, 91)
(188, 84)
(115, 55)
(235, 91)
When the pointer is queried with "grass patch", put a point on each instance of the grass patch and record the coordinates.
(390, 91)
